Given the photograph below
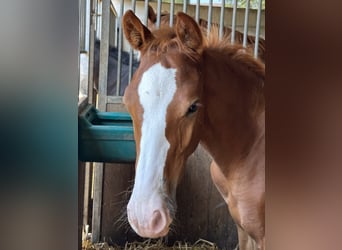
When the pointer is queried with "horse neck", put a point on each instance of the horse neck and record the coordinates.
(233, 119)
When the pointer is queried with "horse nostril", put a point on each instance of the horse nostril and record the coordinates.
(158, 221)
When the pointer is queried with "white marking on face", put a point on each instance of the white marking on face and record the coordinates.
(156, 91)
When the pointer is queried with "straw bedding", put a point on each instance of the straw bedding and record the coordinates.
(151, 245)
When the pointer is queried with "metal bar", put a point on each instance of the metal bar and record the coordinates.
(118, 76)
(83, 87)
(103, 67)
(245, 30)
(131, 57)
(185, 5)
(99, 17)
(88, 20)
(222, 18)
(113, 24)
(234, 21)
(97, 200)
(92, 36)
(257, 31)
(172, 10)
(146, 13)
(210, 11)
(133, 5)
(197, 11)
(159, 5)
(116, 28)
(83, 11)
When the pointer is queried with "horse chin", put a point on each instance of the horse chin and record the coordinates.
(152, 235)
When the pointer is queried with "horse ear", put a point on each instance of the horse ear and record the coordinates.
(135, 32)
(152, 17)
(188, 31)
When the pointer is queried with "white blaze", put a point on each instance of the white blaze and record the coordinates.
(156, 91)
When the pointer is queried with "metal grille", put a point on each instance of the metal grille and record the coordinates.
(96, 17)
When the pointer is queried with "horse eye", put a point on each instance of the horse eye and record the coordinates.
(192, 108)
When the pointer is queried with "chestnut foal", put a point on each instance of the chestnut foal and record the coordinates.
(186, 91)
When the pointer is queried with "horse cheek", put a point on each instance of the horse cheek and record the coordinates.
(186, 144)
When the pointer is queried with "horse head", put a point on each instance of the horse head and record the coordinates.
(164, 99)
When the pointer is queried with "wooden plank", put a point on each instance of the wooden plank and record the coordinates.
(97, 202)
(117, 184)
(101, 105)
(80, 201)
(114, 99)
(104, 46)
(192, 199)
(86, 194)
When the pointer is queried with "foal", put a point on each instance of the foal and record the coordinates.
(188, 91)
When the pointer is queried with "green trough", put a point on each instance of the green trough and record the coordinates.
(105, 136)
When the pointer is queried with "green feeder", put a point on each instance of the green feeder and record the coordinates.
(105, 136)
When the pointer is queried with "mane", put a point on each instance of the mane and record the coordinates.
(238, 55)
(203, 24)
(166, 41)
(242, 59)
(238, 37)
